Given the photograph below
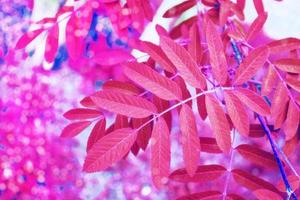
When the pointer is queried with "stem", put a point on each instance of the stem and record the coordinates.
(279, 162)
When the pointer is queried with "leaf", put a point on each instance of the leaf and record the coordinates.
(52, 43)
(253, 101)
(224, 12)
(97, 133)
(160, 153)
(257, 156)
(256, 26)
(121, 122)
(179, 9)
(218, 123)
(87, 102)
(152, 81)
(269, 81)
(286, 44)
(156, 53)
(204, 173)
(74, 129)
(251, 64)
(292, 121)
(77, 29)
(291, 145)
(202, 195)
(259, 6)
(144, 134)
(131, 106)
(280, 99)
(237, 113)
(27, 38)
(123, 87)
(190, 140)
(216, 53)
(194, 46)
(256, 131)
(234, 197)
(293, 181)
(82, 113)
(250, 181)
(263, 194)
(293, 83)
(288, 65)
(184, 63)
(201, 106)
(109, 149)
(163, 105)
(209, 145)
(185, 92)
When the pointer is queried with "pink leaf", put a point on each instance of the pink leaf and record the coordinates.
(259, 6)
(257, 26)
(194, 46)
(179, 9)
(237, 113)
(131, 106)
(251, 64)
(253, 101)
(144, 134)
(292, 121)
(216, 53)
(152, 81)
(190, 140)
(122, 87)
(288, 65)
(207, 195)
(158, 55)
(184, 63)
(74, 129)
(109, 149)
(27, 38)
(269, 81)
(218, 123)
(203, 174)
(286, 44)
(51, 44)
(209, 145)
(82, 113)
(97, 133)
(160, 153)
(263, 194)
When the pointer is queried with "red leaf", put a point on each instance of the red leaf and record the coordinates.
(263, 194)
(152, 81)
(225, 11)
(74, 129)
(259, 6)
(253, 101)
(109, 149)
(201, 106)
(190, 140)
(287, 44)
(293, 181)
(256, 131)
(218, 123)
(123, 87)
(293, 83)
(257, 26)
(51, 43)
(216, 53)
(288, 65)
(202, 195)
(179, 9)
(184, 63)
(209, 145)
(292, 121)
(184, 25)
(251, 64)
(269, 81)
(291, 145)
(77, 29)
(279, 100)
(162, 105)
(237, 113)
(156, 53)
(144, 134)
(185, 92)
(131, 106)
(160, 153)
(250, 181)
(257, 156)
(121, 122)
(203, 173)
(194, 46)
(82, 113)
(97, 133)
(27, 38)
(87, 102)
(234, 197)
